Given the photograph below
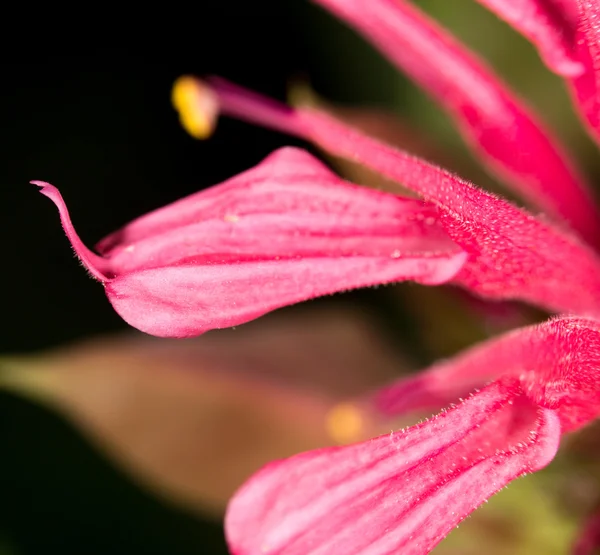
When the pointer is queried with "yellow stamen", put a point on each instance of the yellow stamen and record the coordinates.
(197, 104)
(301, 95)
(345, 423)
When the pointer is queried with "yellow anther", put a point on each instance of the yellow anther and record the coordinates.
(345, 423)
(197, 104)
(300, 94)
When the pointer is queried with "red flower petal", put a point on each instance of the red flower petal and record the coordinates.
(586, 87)
(499, 125)
(94, 264)
(399, 493)
(184, 301)
(558, 363)
(549, 24)
(288, 179)
(288, 206)
(285, 232)
(512, 254)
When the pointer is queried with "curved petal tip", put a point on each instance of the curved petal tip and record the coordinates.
(95, 265)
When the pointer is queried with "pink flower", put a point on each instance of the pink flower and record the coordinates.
(398, 493)
(512, 254)
(402, 493)
(283, 232)
(289, 230)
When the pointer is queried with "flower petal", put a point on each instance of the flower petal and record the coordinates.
(287, 232)
(549, 24)
(493, 120)
(512, 254)
(94, 264)
(402, 492)
(289, 206)
(558, 363)
(288, 179)
(586, 87)
(184, 301)
(573, 21)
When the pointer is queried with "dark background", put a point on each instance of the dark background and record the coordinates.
(91, 114)
(86, 106)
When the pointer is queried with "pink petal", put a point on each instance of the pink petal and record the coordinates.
(287, 179)
(432, 389)
(94, 264)
(558, 363)
(184, 301)
(288, 206)
(565, 32)
(493, 120)
(412, 230)
(512, 254)
(274, 236)
(398, 493)
(586, 87)
(549, 24)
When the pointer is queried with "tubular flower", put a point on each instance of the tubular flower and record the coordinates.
(403, 492)
(292, 226)
(511, 253)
